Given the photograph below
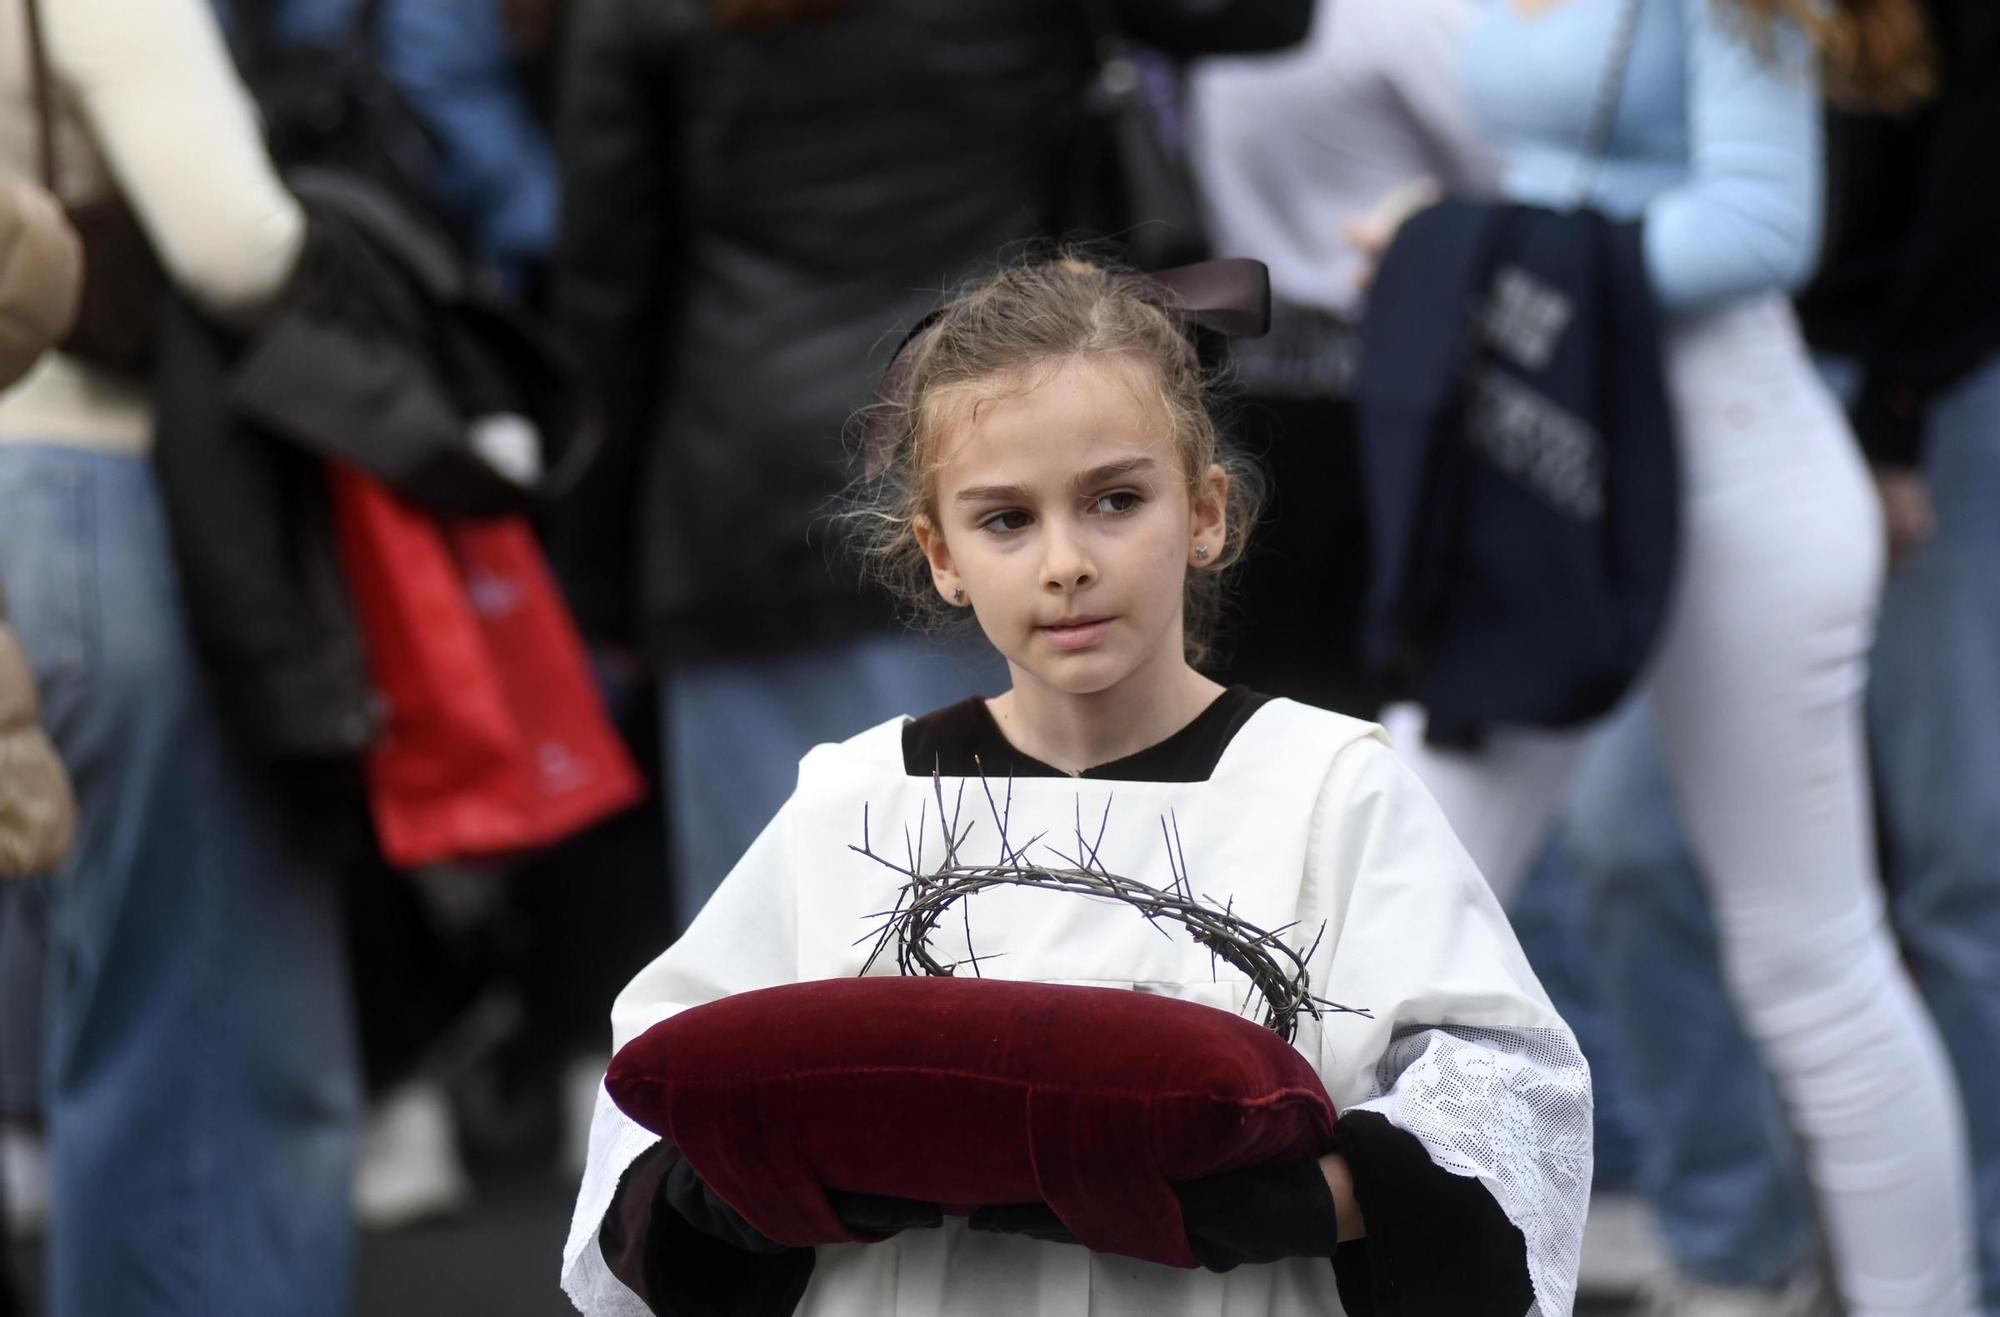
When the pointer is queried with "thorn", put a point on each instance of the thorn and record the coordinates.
(1102, 824)
(1313, 950)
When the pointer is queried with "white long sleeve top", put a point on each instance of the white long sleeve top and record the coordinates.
(1715, 143)
(1291, 147)
(147, 102)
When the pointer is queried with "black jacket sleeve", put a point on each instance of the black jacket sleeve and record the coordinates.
(1216, 27)
(613, 252)
(1437, 1245)
(1940, 313)
(680, 1270)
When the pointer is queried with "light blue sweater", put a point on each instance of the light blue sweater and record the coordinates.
(1716, 142)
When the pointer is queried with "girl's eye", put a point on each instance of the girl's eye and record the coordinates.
(1011, 519)
(1116, 503)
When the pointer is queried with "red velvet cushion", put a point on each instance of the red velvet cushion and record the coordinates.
(969, 1092)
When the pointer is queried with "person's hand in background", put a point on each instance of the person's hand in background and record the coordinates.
(1372, 233)
(1908, 519)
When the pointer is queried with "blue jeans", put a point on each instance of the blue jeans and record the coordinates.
(1548, 917)
(198, 1059)
(1934, 717)
(735, 731)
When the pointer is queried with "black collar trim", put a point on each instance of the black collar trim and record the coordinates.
(963, 740)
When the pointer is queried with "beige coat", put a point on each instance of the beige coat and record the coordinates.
(41, 269)
(41, 266)
(37, 812)
(147, 104)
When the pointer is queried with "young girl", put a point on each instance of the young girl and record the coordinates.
(1052, 467)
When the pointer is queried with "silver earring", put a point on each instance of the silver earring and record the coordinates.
(1201, 553)
(958, 594)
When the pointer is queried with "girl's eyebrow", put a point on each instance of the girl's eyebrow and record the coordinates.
(991, 494)
(1087, 480)
(1111, 471)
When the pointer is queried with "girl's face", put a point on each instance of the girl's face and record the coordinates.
(1062, 510)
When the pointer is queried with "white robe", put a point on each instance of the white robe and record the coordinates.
(1308, 819)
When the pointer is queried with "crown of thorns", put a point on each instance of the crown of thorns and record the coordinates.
(1277, 972)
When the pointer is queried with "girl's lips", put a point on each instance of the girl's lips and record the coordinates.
(1081, 635)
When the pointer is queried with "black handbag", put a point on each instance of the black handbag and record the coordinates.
(1128, 185)
(116, 320)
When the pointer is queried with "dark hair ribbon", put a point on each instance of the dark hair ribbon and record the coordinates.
(1231, 297)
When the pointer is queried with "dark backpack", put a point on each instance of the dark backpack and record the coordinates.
(1520, 466)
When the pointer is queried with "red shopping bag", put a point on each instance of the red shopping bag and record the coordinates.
(496, 738)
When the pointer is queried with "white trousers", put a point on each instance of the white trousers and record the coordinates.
(1757, 687)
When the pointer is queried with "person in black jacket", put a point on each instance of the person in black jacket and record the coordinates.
(759, 197)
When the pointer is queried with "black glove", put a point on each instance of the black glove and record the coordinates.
(868, 1214)
(1261, 1214)
(1035, 1220)
(681, 1249)
(878, 1214)
(688, 1195)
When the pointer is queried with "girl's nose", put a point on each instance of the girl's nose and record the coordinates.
(1065, 566)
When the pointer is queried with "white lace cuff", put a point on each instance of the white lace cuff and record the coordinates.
(1510, 1107)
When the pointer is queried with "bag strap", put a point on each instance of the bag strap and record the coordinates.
(43, 94)
(1610, 91)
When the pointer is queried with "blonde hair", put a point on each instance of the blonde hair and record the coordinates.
(1037, 314)
(1877, 54)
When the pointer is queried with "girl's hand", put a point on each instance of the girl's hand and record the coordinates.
(878, 1214)
(1260, 1214)
(1372, 233)
(1035, 1220)
(685, 1192)
(1266, 1213)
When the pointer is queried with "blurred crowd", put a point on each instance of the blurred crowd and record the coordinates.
(292, 291)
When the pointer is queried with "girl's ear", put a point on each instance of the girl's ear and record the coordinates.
(938, 554)
(1208, 516)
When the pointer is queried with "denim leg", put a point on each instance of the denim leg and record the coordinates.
(735, 731)
(198, 1061)
(1548, 917)
(1934, 711)
(23, 935)
(1716, 1161)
